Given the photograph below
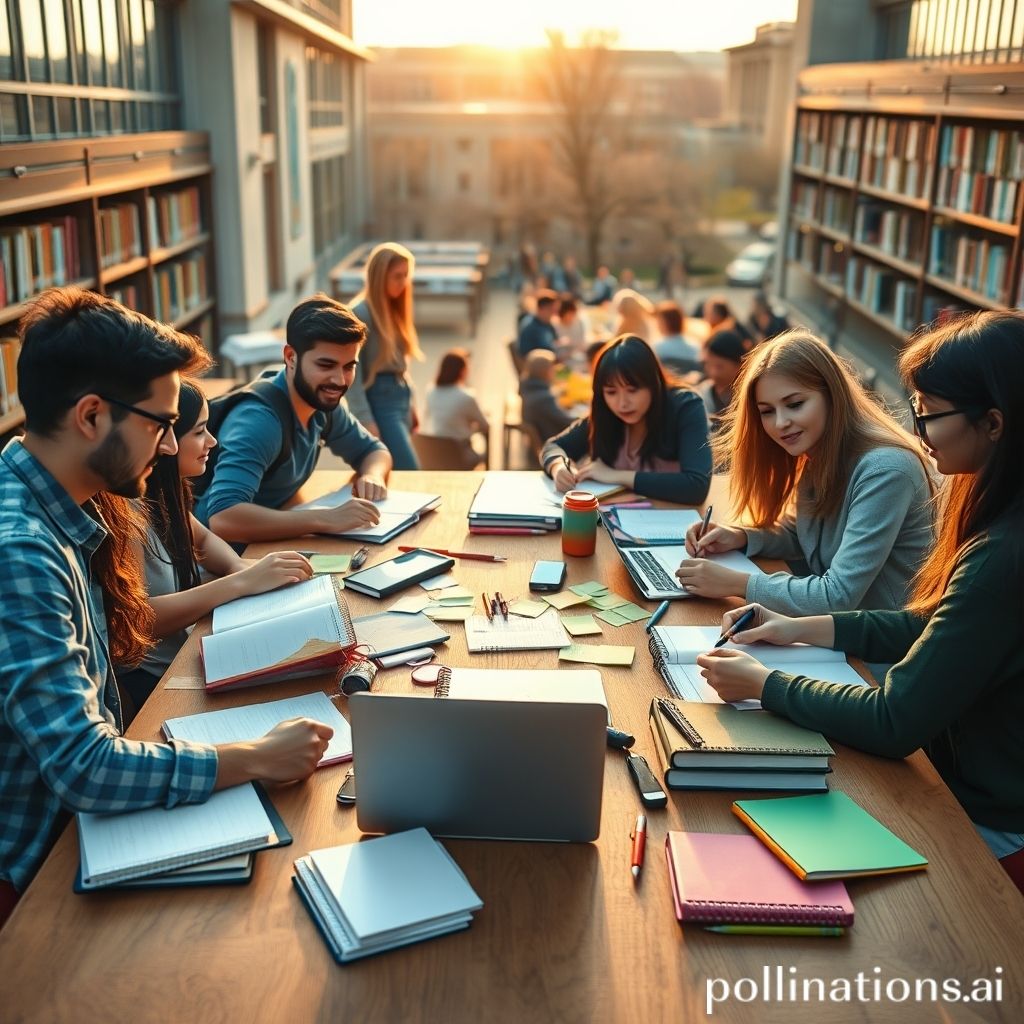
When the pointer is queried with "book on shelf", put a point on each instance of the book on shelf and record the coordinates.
(980, 170)
(675, 649)
(896, 232)
(120, 234)
(897, 155)
(835, 210)
(827, 836)
(844, 145)
(810, 139)
(250, 721)
(717, 746)
(117, 848)
(970, 259)
(9, 349)
(733, 879)
(299, 630)
(399, 511)
(174, 216)
(383, 893)
(805, 198)
(180, 286)
(882, 290)
(38, 256)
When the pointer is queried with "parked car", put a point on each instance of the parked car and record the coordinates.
(752, 266)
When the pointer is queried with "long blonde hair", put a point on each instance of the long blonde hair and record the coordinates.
(635, 313)
(392, 318)
(764, 475)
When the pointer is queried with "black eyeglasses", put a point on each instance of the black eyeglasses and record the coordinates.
(921, 422)
(165, 422)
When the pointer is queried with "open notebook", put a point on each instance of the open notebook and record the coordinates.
(515, 633)
(295, 631)
(675, 650)
(572, 686)
(398, 511)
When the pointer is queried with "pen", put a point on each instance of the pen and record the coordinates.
(656, 617)
(703, 530)
(488, 608)
(639, 837)
(568, 465)
(508, 531)
(477, 555)
(502, 604)
(359, 557)
(774, 929)
(619, 739)
(675, 716)
(737, 627)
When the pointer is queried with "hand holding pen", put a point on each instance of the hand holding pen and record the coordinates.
(715, 539)
(563, 473)
(753, 623)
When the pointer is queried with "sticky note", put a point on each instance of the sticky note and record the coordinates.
(580, 625)
(529, 609)
(564, 600)
(330, 563)
(598, 654)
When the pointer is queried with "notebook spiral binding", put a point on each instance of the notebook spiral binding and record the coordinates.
(660, 653)
(444, 682)
(349, 639)
(719, 911)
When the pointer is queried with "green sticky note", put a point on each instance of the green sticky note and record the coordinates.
(607, 601)
(592, 589)
(448, 613)
(529, 609)
(458, 599)
(598, 654)
(565, 599)
(612, 617)
(410, 604)
(330, 563)
(580, 625)
(632, 612)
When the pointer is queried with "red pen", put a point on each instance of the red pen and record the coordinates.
(639, 837)
(509, 531)
(477, 555)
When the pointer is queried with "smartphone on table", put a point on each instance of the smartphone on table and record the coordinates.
(547, 576)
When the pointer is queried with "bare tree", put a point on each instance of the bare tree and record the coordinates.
(581, 83)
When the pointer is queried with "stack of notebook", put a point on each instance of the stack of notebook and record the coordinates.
(717, 746)
(379, 894)
(519, 501)
(734, 880)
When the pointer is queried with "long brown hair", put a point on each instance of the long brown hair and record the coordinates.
(976, 363)
(117, 565)
(765, 475)
(392, 318)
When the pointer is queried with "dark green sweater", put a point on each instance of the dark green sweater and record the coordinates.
(958, 691)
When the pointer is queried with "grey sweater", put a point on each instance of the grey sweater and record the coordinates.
(865, 555)
(358, 402)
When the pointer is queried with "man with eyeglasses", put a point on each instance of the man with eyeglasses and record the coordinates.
(99, 385)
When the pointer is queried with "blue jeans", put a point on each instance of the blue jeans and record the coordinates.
(390, 399)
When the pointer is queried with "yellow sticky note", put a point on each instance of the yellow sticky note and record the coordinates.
(598, 654)
(529, 609)
(580, 625)
(565, 600)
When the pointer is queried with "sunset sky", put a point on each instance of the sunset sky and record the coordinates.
(641, 24)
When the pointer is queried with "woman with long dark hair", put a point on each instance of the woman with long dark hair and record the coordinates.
(643, 432)
(177, 545)
(959, 689)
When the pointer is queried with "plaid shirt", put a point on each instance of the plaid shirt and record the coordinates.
(60, 745)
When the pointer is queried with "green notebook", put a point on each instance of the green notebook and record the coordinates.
(827, 835)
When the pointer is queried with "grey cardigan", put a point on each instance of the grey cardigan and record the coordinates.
(864, 556)
(358, 402)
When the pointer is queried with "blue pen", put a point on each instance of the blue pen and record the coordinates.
(738, 626)
(656, 617)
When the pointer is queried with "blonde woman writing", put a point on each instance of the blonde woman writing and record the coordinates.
(381, 396)
(829, 480)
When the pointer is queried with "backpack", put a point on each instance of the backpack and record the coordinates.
(264, 390)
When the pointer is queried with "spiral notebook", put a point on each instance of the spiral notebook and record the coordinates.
(735, 879)
(568, 686)
(516, 633)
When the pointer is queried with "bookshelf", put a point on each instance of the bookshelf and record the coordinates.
(905, 200)
(128, 216)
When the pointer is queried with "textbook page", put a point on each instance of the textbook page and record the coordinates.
(656, 523)
(683, 644)
(249, 722)
(251, 649)
(398, 503)
(257, 607)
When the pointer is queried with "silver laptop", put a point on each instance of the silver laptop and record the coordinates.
(654, 569)
(479, 769)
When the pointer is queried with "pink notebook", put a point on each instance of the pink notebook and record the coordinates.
(736, 879)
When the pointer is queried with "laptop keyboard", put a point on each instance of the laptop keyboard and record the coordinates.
(655, 571)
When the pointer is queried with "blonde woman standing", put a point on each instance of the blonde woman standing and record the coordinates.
(634, 314)
(381, 395)
(828, 480)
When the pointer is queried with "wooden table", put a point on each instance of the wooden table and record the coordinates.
(564, 935)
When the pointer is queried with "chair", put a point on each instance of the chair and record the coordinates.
(512, 422)
(441, 452)
(518, 363)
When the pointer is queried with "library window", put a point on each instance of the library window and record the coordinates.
(979, 31)
(326, 94)
(81, 50)
(328, 203)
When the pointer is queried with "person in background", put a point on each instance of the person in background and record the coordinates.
(957, 688)
(674, 350)
(538, 331)
(178, 546)
(604, 288)
(99, 386)
(540, 408)
(642, 433)
(720, 317)
(765, 323)
(245, 497)
(381, 396)
(572, 331)
(829, 481)
(452, 410)
(573, 278)
(634, 314)
(724, 353)
(553, 272)
(627, 279)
